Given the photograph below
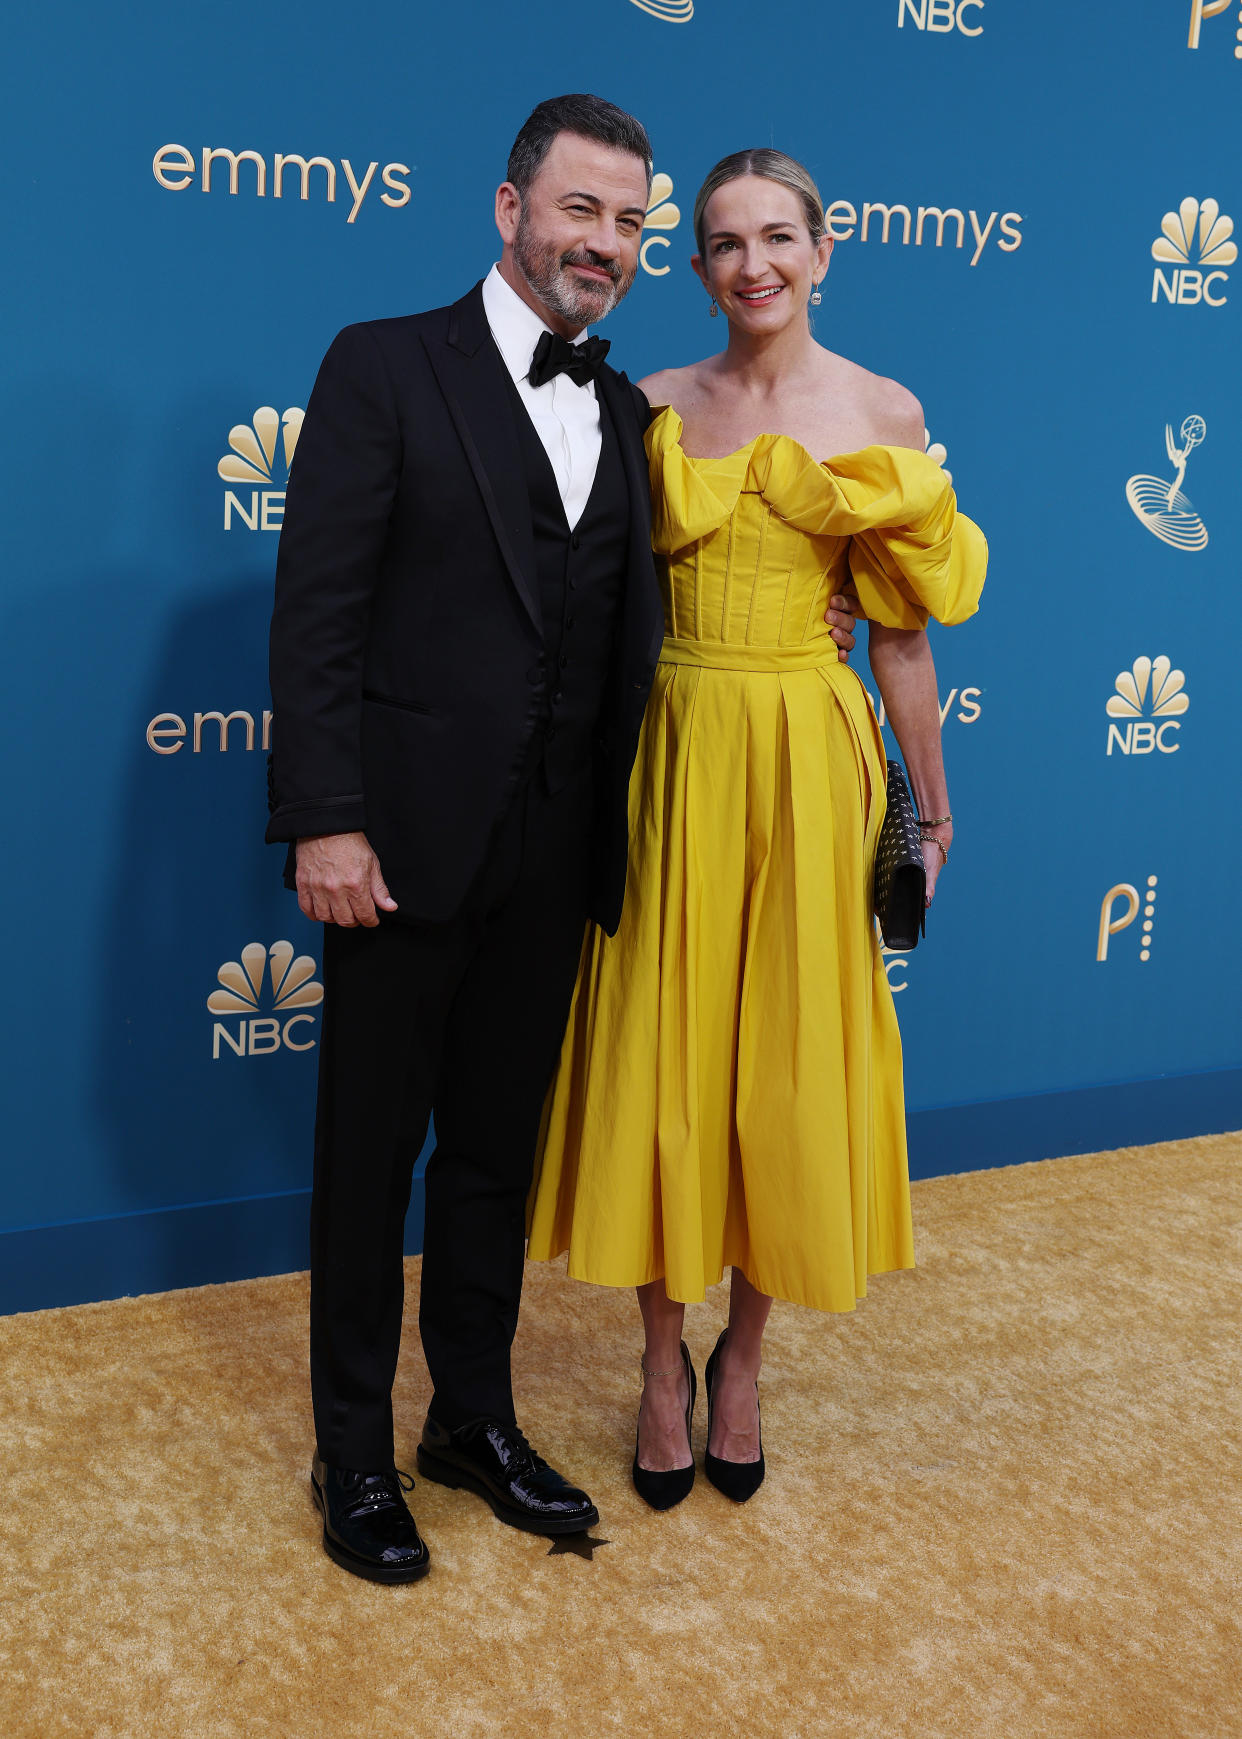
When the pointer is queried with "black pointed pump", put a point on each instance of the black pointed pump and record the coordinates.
(738, 1480)
(663, 1490)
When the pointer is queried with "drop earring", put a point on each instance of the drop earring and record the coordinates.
(816, 297)
(713, 310)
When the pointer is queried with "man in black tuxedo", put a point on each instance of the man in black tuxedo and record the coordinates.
(467, 622)
(466, 625)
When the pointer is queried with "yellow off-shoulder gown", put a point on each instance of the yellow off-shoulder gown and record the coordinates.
(729, 1092)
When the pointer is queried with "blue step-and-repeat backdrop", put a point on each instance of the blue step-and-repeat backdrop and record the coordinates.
(1034, 211)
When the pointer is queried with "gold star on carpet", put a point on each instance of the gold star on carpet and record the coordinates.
(581, 1545)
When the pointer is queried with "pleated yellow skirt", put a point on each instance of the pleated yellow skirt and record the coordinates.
(730, 1088)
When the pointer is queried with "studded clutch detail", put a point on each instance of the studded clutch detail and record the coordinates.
(900, 891)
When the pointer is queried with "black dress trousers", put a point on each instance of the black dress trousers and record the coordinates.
(468, 1016)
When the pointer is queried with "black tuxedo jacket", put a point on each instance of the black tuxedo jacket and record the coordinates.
(407, 660)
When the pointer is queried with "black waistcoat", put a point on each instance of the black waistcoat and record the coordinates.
(581, 574)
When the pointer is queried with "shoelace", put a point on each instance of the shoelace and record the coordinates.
(378, 1492)
(520, 1452)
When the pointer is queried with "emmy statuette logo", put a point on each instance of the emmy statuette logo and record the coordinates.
(1195, 241)
(294, 989)
(261, 454)
(668, 11)
(941, 16)
(1150, 697)
(1158, 502)
(1118, 910)
(1201, 9)
(661, 214)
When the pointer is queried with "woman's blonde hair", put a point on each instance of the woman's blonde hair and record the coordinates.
(769, 165)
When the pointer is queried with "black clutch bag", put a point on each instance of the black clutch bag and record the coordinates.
(900, 874)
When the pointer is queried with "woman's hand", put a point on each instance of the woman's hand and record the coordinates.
(936, 843)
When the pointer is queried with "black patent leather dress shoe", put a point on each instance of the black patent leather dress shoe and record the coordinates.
(367, 1526)
(493, 1459)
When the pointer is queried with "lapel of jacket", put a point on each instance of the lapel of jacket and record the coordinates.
(471, 375)
(644, 613)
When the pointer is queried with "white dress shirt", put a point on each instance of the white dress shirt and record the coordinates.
(566, 416)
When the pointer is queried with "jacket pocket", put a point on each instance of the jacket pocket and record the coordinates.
(405, 706)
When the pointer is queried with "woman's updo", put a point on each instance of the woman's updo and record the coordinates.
(769, 165)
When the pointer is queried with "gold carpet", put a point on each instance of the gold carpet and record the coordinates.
(1002, 1499)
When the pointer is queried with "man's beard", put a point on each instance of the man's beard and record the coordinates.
(574, 299)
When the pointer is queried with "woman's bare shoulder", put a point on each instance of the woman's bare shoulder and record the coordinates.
(678, 387)
(891, 414)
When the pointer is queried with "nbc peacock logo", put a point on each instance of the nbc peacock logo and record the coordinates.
(667, 11)
(662, 214)
(244, 988)
(261, 455)
(1195, 240)
(1145, 705)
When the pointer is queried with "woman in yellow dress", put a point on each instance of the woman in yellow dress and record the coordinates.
(730, 1091)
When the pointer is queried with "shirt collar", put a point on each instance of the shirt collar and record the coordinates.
(514, 324)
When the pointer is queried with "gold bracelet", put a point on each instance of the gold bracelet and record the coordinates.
(938, 822)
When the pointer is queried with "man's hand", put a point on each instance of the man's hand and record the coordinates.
(841, 617)
(339, 880)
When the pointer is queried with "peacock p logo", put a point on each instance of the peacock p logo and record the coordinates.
(1201, 9)
(244, 990)
(1195, 240)
(261, 455)
(1126, 896)
(1148, 698)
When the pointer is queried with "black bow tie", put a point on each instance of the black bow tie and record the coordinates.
(556, 355)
